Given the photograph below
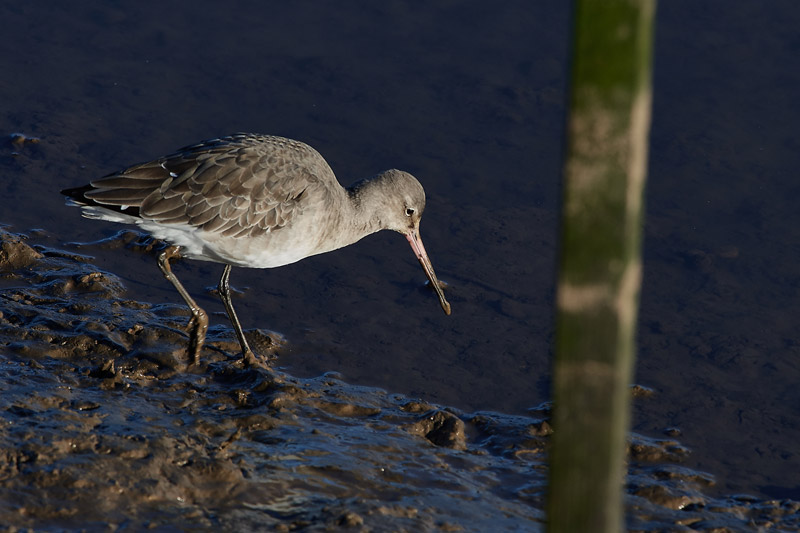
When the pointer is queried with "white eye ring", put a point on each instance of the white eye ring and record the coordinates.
(409, 211)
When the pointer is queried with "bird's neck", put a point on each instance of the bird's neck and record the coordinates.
(363, 202)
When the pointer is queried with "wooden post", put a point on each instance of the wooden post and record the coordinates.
(600, 262)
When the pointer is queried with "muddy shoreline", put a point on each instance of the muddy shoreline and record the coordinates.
(105, 426)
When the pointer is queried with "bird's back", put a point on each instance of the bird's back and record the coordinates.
(243, 185)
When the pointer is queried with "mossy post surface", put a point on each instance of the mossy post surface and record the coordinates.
(600, 261)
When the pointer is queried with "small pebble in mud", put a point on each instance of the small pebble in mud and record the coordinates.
(441, 428)
(417, 407)
(663, 496)
(85, 405)
(350, 519)
(540, 429)
(20, 139)
(640, 391)
(15, 254)
(17, 141)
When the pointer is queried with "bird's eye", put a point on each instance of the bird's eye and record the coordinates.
(409, 211)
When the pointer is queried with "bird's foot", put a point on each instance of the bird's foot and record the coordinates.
(198, 325)
(249, 360)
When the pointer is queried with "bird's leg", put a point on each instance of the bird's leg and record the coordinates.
(225, 295)
(198, 325)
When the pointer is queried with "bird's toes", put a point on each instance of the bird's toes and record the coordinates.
(249, 360)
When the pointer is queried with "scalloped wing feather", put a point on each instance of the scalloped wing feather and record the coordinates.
(236, 186)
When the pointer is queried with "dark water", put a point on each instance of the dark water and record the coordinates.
(469, 97)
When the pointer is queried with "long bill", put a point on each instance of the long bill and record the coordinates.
(419, 250)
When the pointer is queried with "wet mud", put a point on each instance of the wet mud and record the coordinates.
(104, 426)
